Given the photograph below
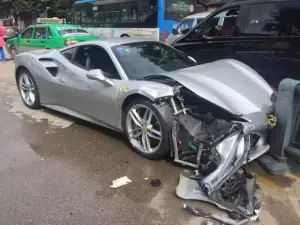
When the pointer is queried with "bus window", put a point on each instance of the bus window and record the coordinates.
(178, 9)
(134, 14)
(113, 13)
(87, 16)
(129, 12)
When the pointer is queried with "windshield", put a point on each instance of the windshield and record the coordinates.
(142, 59)
(71, 31)
(6, 23)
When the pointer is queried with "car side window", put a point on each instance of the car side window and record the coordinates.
(273, 19)
(223, 24)
(40, 33)
(27, 33)
(94, 57)
(68, 54)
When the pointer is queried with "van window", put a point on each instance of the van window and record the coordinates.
(223, 24)
(185, 24)
(273, 19)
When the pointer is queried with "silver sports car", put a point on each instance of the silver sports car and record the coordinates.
(212, 117)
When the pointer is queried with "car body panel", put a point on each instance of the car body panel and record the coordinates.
(227, 83)
(71, 92)
(11, 30)
(273, 57)
(52, 39)
(172, 37)
(221, 83)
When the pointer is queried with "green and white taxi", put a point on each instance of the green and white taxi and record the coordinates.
(48, 33)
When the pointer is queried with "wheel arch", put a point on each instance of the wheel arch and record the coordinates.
(124, 35)
(132, 97)
(18, 70)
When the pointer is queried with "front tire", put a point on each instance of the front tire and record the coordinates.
(146, 129)
(28, 89)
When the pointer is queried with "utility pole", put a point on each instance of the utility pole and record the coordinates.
(46, 12)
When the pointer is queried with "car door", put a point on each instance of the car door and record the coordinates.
(92, 99)
(271, 37)
(39, 39)
(215, 37)
(24, 41)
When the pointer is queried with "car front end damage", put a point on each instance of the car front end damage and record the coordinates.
(217, 145)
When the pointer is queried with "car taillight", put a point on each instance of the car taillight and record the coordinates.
(68, 43)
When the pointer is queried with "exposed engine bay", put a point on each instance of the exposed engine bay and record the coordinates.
(218, 145)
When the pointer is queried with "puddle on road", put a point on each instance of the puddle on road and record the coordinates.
(283, 212)
(18, 109)
(277, 182)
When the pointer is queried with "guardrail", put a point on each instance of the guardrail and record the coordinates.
(285, 137)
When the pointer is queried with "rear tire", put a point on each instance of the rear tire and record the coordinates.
(148, 134)
(28, 89)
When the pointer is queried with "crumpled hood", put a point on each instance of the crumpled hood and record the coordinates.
(227, 83)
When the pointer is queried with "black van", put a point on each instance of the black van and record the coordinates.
(264, 34)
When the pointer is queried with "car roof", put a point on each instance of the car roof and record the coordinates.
(55, 25)
(110, 42)
(242, 2)
(198, 15)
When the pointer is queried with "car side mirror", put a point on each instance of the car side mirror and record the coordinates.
(174, 31)
(98, 75)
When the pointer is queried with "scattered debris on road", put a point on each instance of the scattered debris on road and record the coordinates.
(120, 182)
(155, 183)
(221, 218)
(235, 195)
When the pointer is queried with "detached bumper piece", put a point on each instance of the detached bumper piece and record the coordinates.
(239, 200)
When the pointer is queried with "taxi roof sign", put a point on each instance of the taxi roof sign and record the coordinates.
(53, 20)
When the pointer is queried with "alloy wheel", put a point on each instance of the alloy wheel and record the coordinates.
(144, 129)
(27, 90)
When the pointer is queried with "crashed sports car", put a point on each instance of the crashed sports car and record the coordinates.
(212, 117)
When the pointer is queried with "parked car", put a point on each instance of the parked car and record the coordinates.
(201, 115)
(51, 34)
(141, 98)
(11, 29)
(263, 34)
(185, 26)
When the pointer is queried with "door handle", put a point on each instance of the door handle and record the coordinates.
(42, 41)
(28, 41)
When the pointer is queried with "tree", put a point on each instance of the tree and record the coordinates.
(15, 7)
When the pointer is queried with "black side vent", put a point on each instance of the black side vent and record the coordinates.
(53, 71)
(46, 60)
(50, 65)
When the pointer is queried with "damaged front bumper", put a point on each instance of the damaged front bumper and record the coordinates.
(219, 150)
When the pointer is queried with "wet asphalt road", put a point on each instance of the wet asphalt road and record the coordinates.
(55, 169)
